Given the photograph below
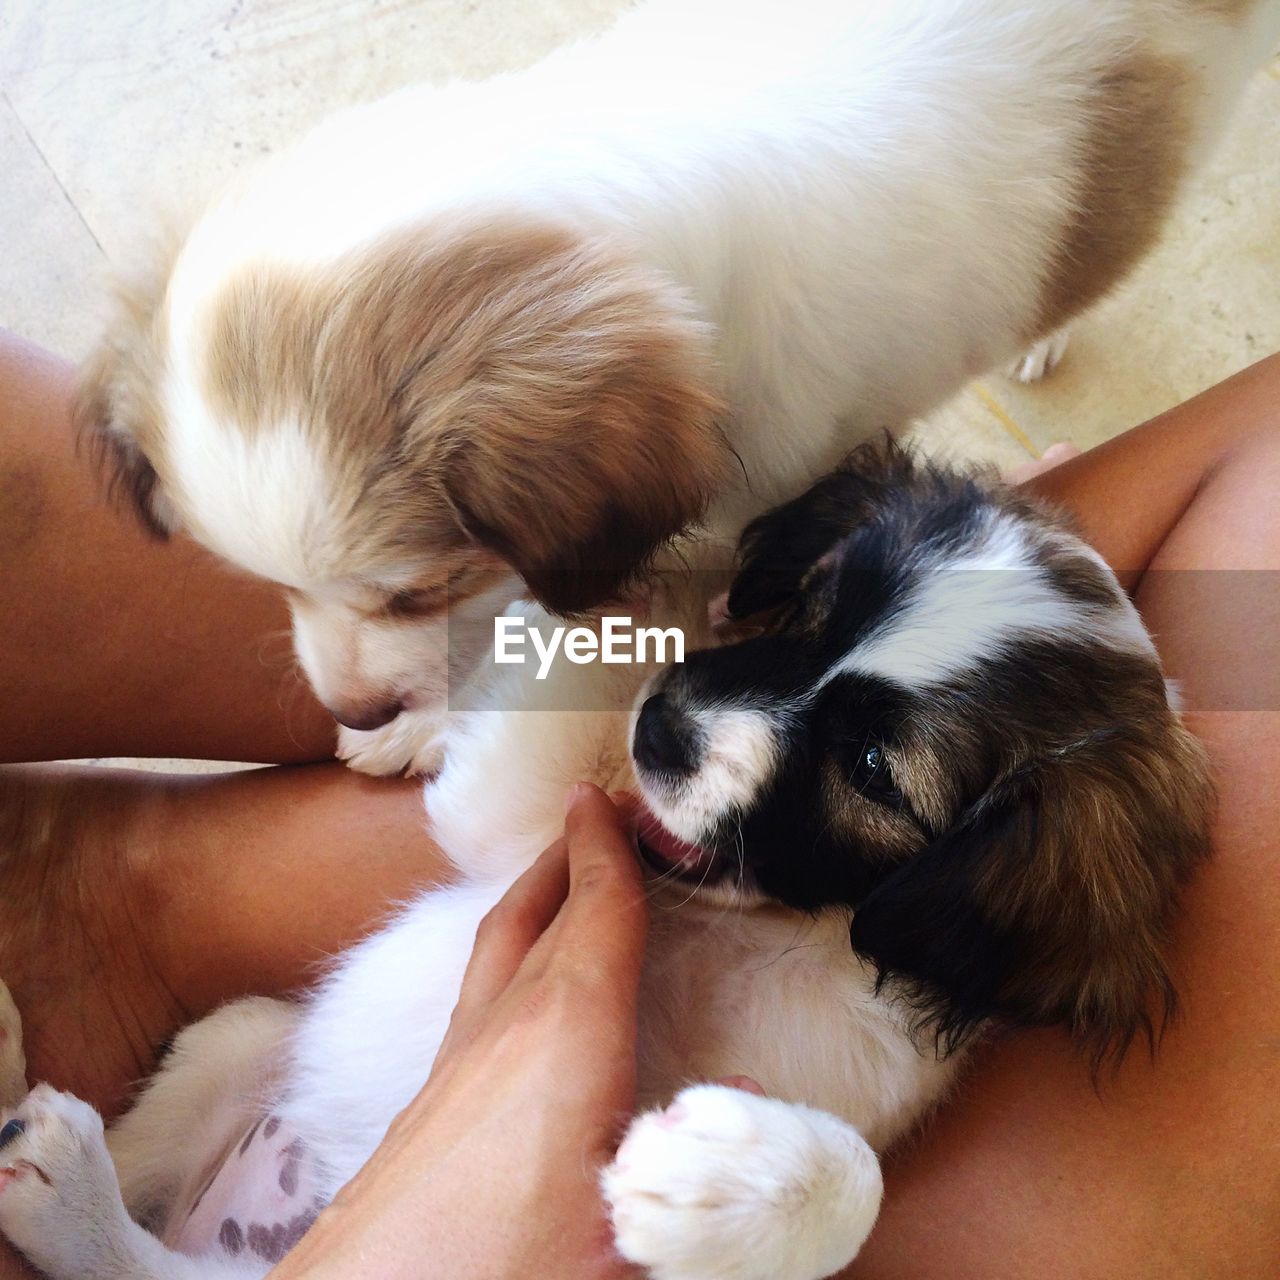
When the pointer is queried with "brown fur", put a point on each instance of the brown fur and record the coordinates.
(1233, 10)
(506, 385)
(1074, 858)
(1100, 837)
(117, 413)
(1062, 877)
(1133, 156)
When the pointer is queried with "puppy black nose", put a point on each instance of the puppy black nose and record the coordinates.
(367, 715)
(665, 739)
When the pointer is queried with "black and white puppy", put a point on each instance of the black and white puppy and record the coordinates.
(951, 743)
(955, 723)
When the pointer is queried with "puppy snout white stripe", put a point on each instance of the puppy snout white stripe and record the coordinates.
(740, 749)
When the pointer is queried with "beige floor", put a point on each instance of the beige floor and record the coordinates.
(111, 109)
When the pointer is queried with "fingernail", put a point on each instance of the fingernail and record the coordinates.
(577, 792)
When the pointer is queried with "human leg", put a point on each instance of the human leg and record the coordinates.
(115, 644)
(135, 904)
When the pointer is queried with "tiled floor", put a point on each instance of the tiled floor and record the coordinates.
(112, 109)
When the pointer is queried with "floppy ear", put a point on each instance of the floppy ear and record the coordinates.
(613, 447)
(579, 534)
(129, 477)
(116, 407)
(778, 549)
(1049, 902)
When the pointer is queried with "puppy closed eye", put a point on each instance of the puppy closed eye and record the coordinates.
(419, 603)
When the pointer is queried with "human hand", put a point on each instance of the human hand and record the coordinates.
(493, 1170)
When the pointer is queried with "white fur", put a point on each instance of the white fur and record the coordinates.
(973, 604)
(814, 1032)
(290, 539)
(740, 749)
(727, 1184)
(60, 1203)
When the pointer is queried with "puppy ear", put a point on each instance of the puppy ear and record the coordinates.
(607, 445)
(1049, 902)
(778, 549)
(116, 411)
(129, 477)
(580, 532)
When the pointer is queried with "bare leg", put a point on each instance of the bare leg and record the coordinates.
(134, 905)
(114, 644)
(131, 904)
(1169, 1170)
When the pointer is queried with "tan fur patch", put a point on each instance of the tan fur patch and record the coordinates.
(504, 383)
(1133, 157)
(1233, 10)
(866, 824)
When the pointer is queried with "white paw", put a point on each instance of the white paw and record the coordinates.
(725, 1185)
(59, 1199)
(411, 743)
(13, 1064)
(1042, 358)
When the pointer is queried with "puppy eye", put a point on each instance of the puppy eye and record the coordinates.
(871, 774)
(417, 604)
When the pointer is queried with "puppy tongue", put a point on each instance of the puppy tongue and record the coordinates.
(657, 839)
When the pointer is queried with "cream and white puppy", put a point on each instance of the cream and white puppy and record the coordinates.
(542, 324)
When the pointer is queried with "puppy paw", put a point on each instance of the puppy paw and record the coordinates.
(1041, 359)
(725, 1185)
(412, 743)
(60, 1201)
(13, 1064)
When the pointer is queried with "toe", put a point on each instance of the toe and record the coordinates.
(11, 1131)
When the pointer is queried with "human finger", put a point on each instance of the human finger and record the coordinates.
(602, 927)
(510, 930)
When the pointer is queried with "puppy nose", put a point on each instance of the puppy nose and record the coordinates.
(366, 715)
(664, 738)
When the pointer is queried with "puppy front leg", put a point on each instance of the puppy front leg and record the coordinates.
(725, 1185)
(1042, 358)
(60, 1203)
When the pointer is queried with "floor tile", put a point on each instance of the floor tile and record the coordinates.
(50, 266)
(969, 429)
(139, 104)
